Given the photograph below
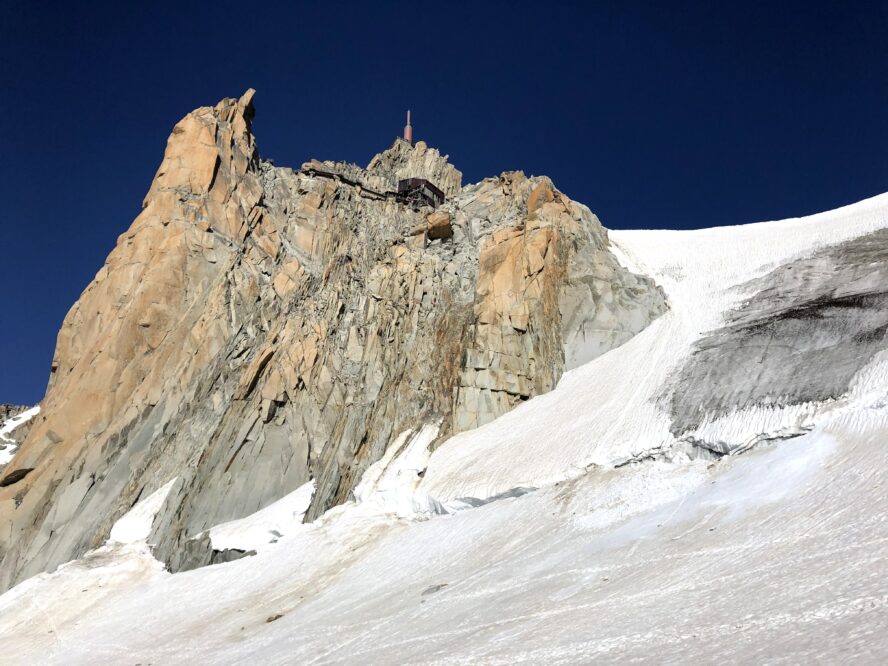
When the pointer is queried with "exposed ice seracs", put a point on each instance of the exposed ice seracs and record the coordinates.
(869, 388)
(740, 430)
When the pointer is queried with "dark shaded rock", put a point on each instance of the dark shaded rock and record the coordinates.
(7, 411)
(15, 476)
(431, 589)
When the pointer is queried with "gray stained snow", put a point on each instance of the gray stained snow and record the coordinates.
(811, 326)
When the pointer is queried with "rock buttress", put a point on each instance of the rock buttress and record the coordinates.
(258, 327)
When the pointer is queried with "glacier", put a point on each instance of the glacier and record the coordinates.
(584, 525)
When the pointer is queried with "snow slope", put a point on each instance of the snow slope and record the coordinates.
(629, 548)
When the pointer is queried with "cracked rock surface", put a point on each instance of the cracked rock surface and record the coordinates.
(257, 327)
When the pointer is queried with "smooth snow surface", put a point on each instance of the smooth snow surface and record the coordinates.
(777, 555)
(9, 445)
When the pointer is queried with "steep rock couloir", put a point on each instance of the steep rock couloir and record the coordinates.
(257, 327)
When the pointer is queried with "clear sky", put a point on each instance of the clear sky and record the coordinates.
(659, 114)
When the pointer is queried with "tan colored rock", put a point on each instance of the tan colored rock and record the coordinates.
(439, 225)
(290, 278)
(417, 241)
(273, 389)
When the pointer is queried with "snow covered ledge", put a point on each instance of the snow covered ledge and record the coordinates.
(8, 445)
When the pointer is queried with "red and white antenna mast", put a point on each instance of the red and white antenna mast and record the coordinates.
(408, 130)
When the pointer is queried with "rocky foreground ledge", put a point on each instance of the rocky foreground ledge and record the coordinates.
(257, 327)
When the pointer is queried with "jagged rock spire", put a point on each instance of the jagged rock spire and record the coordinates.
(259, 326)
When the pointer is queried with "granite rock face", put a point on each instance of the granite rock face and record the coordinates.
(257, 327)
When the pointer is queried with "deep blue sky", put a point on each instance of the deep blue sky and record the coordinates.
(654, 114)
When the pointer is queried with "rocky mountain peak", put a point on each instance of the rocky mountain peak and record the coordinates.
(259, 326)
(403, 160)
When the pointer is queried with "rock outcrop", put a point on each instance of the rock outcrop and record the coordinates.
(7, 411)
(14, 427)
(257, 327)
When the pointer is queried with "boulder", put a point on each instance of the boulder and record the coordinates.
(439, 225)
